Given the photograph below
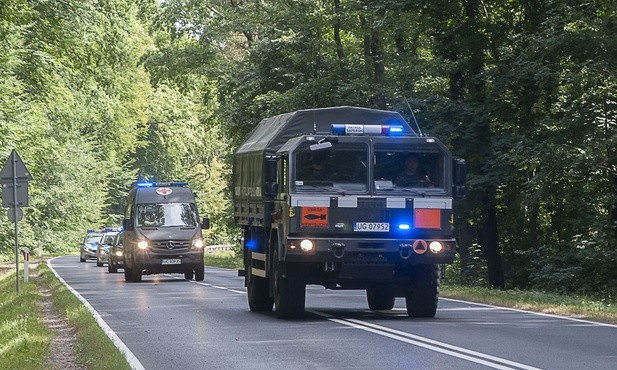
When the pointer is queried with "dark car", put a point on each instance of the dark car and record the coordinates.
(104, 246)
(89, 245)
(116, 254)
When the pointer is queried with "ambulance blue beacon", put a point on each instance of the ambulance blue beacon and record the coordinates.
(162, 231)
(346, 198)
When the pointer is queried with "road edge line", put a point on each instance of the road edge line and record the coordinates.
(134, 363)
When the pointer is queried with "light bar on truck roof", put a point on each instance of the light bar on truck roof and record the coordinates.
(354, 129)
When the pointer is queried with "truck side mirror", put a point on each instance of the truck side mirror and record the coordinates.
(459, 178)
(205, 223)
(127, 224)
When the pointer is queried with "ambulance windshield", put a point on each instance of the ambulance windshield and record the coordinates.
(167, 215)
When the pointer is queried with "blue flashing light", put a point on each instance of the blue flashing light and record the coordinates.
(403, 226)
(337, 129)
(251, 244)
(144, 184)
(90, 230)
(395, 130)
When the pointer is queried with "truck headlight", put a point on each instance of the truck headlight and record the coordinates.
(198, 243)
(435, 246)
(142, 244)
(306, 245)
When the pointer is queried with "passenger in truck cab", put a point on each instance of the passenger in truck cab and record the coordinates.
(316, 170)
(413, 175)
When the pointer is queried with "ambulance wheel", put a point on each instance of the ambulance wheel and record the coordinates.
(99, 264)
(381, 298)
(81, 258)
(136, 274)
(422, 299)
(200, 274)
(188, 275)
(289, 293)
(128, 274)
(111, 268)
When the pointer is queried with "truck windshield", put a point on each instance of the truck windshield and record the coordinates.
(342, 167)
(166, 214)
(411, 169)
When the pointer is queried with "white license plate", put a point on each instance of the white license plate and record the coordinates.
(171, 261)
(372, 226)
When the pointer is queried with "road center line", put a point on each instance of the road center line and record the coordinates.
(430, 344)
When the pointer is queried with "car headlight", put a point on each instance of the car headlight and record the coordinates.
(142, 244)
(103, 251)
(198, 243)
(119, 253)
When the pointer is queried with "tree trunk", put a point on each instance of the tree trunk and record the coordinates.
(490, 239)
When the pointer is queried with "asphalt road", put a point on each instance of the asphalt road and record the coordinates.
(171, 323)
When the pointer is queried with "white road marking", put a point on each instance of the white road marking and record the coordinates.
(430, 344)
(130, 357)
(594, 323)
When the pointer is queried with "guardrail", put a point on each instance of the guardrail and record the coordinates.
(216, 248)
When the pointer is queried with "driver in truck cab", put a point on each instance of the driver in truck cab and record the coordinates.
(412, 174)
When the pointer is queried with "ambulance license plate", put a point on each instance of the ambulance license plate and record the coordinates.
(171, 261)
(372, 226)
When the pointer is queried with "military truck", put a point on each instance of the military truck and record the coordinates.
(162, 231)
(327, 196)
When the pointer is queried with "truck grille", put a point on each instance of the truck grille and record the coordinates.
(171, 245)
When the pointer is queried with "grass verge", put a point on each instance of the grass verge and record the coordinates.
(551, 303)
(564, 305)
(226, 259)
(93, 348)
(24, 337)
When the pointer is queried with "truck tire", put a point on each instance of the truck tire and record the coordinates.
(200, 273)
(380, 298)
(289, 293)
(258, 294)
(128, 274)
(422, 299)
(188, 275)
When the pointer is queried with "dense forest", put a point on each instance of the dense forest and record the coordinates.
(97, 93)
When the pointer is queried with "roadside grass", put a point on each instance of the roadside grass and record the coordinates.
(24, 337)
(551, 303)
(93, 348)
(226, 259)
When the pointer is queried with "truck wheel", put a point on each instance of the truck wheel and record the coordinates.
(200, 274)
(188, 275)
(136, 274)
(289, 294)
(258, 294)
(381, 298)
(128, 274)
(422, 299)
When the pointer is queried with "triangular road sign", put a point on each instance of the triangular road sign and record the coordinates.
(21, 172)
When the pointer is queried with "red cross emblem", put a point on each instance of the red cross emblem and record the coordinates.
(163, 191)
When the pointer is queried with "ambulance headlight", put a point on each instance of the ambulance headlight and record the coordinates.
(198, 243)
(119, 253)
(435, 247)
(306, 245)
(142, 244)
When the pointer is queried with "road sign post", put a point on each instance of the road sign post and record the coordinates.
(14, 177)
